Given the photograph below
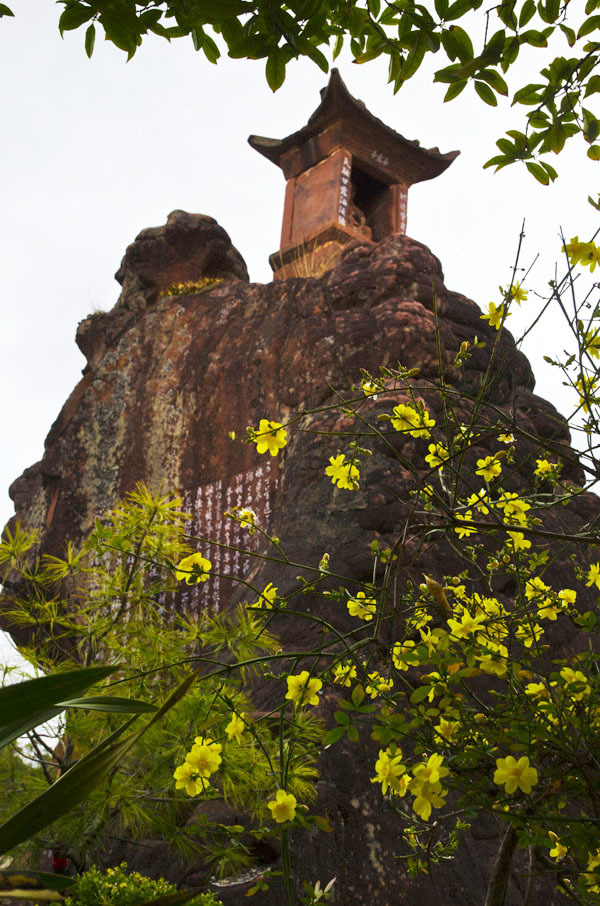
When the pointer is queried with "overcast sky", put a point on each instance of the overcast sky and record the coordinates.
(95, 150)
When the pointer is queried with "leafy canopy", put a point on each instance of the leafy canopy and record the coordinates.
(479, 52)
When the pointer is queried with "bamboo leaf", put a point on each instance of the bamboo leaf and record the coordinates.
(74, 786)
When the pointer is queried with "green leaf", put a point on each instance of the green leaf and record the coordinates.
(254, 47)
(337, 47)
(211, 51)
(496, 47)
(589, 26)
(556, 137)
(538, 119)
(342, 717)
(41, 879)
(122, 34)
(314, 54)
(441, 8)
(593, 85)
(533, 38)
(358, 694)
(449, 74)
(593, 152)
(90, 38)
(494, 79)
(529, 94)
(510, 53)
(333, 736)
(568, 33)
(78, 782)
(74, 15)
(527, 12)
(5, 11)
(352, 733)
(454, 90)
(539, 172)
(110, 703)
(485, 93)
(26, 705)
(549, 11)
(420, 694)
(458, 9)
(464, 45)
(275, 70)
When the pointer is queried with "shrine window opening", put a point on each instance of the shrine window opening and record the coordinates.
(369, 200)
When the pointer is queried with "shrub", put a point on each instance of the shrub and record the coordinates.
(117, 887)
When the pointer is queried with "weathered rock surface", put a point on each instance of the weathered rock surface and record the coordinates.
(168, 378)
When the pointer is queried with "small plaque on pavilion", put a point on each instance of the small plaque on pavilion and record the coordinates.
(348, 176)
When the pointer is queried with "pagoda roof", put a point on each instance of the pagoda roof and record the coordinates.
(338, 105)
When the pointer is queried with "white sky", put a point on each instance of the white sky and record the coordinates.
(95, 150)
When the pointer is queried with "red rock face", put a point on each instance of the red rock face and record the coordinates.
(169, 376)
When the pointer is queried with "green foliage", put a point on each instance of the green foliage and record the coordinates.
(116, 594)
(407, 33)
(118, 887)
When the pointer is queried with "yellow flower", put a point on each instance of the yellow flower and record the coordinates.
(465, 531)
(400, 651)
(236, 727)
(378, 685)
(537, 691)
(592, 343)
(194, 568)
(467, 625)
(343, 472)
(515, 774)
(343, 674)
(489, 467)
(283, 807)
(506, 438)
(446, 730)
(514, 508)
(390, 772)
(302, 690)
(559, 850)
(495, 315)
(188, 779)
(529, 634)
(414, 421)
(430, 772)
(594, 575)
(586, 387)
(579, 680)
(427, 796)
(362, 607)
(437, 456)
(479, 500)
(544, 467)
(591, 256)
(576, 250)
(434, 639)
(494, 658)
(567, 597)
(269, 436)
(248, 519)
(205, 756)
(519, 541)
(517, 293)
(370, 388)
(267, 598)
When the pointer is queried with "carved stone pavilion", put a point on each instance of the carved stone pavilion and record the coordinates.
(348, 176)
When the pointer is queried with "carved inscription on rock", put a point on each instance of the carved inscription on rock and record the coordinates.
(222, 540)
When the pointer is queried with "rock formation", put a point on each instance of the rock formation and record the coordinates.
(168, 376)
